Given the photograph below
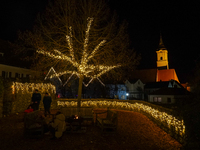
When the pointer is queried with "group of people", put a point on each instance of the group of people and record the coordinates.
(56, 126)
(36, 98)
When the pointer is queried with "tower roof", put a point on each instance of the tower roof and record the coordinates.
(161, 44)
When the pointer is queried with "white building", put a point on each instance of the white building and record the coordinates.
(169, 96)
(135, 89)
(15, 72)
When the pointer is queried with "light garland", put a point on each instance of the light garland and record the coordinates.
(54, 73)
(72, 73)
(30, 87)
(172, 123)
(83, 68)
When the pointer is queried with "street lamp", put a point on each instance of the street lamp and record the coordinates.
(127, 94)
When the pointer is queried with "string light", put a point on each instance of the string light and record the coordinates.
(54, 73)
(30, 87)
(86, 85)
(168, 121)
(83, 68)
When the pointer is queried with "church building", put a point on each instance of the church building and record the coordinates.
(162, 72)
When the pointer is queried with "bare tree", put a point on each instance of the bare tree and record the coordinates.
(81, 37)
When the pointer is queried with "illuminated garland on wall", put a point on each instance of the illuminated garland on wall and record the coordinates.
(30, 87)
(83, 68)
(171, 122)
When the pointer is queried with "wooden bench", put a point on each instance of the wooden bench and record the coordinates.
(85, 112)
(108, 122)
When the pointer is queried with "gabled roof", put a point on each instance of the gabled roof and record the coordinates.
(132, 81)
(166, 75)
(155, 75)
(170, 91)
(145, 75)
(162, 84)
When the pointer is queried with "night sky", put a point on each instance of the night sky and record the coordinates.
(177, 22)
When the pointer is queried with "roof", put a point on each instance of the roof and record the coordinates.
(161, 44)
(133, 80)
(157, 84)
(145, 75)
(167, 75)
(162, 84)
(170, 91)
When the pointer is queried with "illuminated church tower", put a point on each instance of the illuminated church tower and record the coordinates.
(162, 56)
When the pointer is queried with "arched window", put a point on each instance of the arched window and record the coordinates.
(161, 58)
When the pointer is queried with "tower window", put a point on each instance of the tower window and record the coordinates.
(161, 58)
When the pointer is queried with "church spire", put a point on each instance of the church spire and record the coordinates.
(161, 44)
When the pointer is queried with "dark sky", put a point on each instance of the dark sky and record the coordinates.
(177, 22)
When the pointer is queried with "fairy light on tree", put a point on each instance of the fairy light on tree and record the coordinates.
(84, 69)
(69, 43)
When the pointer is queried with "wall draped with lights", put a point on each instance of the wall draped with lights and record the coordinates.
(169, 123)
(17, 96)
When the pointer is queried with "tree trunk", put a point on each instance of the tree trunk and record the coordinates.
(79, 93)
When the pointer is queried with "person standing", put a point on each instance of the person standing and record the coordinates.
(36, 98)
(47, 103)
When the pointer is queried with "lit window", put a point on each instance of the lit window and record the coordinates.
(159, 99)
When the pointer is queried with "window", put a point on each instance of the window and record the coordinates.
(10, 74)
(169, 100)
(16, 75)
(3, 74)
(155, 99)
(123, 88)
(123, 97)
(161, 58)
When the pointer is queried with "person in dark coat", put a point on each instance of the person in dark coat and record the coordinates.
(47, 103)
(36, 98)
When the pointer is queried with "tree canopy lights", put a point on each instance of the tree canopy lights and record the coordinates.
(83, 68)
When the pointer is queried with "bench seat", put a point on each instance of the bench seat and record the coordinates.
(109, 122)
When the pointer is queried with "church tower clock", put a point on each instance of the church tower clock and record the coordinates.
(162, 56)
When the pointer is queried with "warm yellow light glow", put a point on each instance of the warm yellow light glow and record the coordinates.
(30, 87)
(169, 121)
(83, 68)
